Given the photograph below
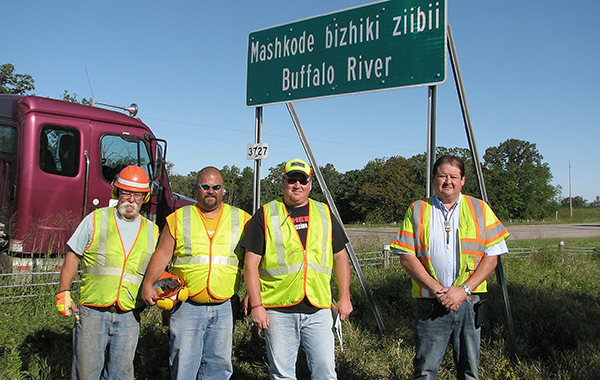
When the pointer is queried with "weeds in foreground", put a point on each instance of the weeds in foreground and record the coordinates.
(555, 301)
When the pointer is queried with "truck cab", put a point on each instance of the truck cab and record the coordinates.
(57, 163)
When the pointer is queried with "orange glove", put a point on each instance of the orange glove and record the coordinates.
(64, 303)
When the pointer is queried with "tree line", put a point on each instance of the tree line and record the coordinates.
(517, 181)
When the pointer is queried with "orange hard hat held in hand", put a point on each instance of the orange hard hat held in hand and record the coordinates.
(170, 290)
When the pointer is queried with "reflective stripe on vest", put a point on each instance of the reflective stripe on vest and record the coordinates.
(109, 274)
(285, 257)
(202, 261)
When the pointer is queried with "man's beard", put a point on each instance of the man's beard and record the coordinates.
(209, 202)
(122, 208)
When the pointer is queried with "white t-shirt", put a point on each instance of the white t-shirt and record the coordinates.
(82, 237)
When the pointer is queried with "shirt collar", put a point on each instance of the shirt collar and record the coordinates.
(439, 205)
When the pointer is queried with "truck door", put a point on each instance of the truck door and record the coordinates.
(8, 172)
(51, 191)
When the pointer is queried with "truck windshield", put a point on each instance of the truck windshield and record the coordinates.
(117, 152)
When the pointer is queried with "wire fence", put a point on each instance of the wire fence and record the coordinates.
(36, 280)
(32, 278)
(385, 256)
(561, 249)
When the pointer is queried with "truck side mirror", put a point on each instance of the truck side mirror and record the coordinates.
(155, 188)
(159, 162)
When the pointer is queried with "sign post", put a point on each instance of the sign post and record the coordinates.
(379, 46)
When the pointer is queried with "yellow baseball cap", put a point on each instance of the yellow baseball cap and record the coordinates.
(297, 166)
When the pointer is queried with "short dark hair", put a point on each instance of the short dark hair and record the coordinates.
(447, 159)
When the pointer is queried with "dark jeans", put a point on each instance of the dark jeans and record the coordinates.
(435, 327)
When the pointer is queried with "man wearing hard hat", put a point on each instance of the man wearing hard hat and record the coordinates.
(114, 246)
(202, 242)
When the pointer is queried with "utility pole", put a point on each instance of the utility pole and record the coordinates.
(570, 196)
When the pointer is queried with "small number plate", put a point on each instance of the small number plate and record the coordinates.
(257, 151)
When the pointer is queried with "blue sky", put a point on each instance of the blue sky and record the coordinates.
(530, 69)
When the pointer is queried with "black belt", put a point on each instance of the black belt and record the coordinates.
(114, 308)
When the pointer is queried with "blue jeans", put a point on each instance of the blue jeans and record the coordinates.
(435, 327)
(283, 337)
(100, 332)
(201, 341)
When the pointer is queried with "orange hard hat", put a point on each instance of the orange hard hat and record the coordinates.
(131, 178)
(170, 289)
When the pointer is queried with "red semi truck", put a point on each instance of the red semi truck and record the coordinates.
(57, 163)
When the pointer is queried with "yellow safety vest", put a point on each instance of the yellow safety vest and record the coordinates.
(288, 272)
(204, 263)
(479, 228)
(109, 274)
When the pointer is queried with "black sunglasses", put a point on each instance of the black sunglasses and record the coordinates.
(206, 187)
(292, 181)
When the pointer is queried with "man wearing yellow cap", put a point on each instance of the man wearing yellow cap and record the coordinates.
(114, 246)
(293, 245)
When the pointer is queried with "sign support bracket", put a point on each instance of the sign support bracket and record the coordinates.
(327, 193)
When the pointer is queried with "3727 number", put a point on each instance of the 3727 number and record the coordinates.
(257, 151)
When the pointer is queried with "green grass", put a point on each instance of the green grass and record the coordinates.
(579, 213)
(555, 301)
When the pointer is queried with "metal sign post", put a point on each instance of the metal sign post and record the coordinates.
(258, 136)
(431, 135)
(327, 193)
(473, 146)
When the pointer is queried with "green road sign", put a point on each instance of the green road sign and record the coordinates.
(379, 46)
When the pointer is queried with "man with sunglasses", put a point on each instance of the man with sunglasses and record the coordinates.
(114, 245)
(293, 245)
(203, 242)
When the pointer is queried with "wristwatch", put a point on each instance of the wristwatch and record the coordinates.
(466, 288)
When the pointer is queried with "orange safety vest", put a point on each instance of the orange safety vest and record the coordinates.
(214, 264)
(479, 228)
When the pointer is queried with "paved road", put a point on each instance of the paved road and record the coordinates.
(517, 232)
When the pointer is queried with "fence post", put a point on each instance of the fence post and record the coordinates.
(561, 246)
(386, 256)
